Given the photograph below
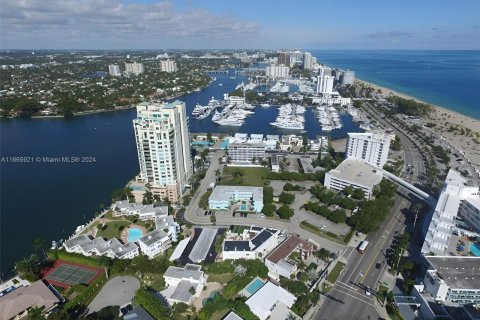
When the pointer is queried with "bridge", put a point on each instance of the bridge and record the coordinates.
(409, 187)
(406, 301)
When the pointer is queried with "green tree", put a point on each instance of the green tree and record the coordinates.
(209, 137)
(28, 268)
(40, 244)
(147, 197)
(267, 195)
(285, 212)
(358, 194)
(106, 262)
(35, 313)
(269, 210)
(153, 305)
(286, 198)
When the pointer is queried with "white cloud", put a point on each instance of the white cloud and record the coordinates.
(113, 24)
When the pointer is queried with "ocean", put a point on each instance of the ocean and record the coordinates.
(449, 79)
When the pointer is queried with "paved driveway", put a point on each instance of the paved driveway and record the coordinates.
(116, 292)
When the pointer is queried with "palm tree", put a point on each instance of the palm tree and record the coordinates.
(40, 244)
(106, 262)
(35, 313)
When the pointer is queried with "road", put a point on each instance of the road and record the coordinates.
(347, 299)
(411, 149)
(292, 226)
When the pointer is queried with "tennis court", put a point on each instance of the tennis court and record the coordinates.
(71, 274)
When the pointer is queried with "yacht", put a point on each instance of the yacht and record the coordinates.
(293, 125)
(265, 105)
(234, 122)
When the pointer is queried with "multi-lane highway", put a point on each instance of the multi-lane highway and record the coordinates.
(347, 299)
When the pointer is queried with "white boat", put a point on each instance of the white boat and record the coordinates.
(265, 105)
(288, 125)
(230, 122)
(220, 84)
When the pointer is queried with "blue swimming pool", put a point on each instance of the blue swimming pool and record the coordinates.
(253, 286)
(137, 188)
(243, 207)
(134, 234)
(475, 249)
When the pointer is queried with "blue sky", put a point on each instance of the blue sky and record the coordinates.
(348, 24)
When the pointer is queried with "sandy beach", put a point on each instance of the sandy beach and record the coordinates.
(460, 131)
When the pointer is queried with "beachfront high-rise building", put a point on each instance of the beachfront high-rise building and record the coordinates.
(134, 68)
(457, 210)
(284, 59)
(347, 77)
(307, 60)
(277, 72)
(168, 66)
(325, 81)
(370, 147)
(163, 146)
(114, 70)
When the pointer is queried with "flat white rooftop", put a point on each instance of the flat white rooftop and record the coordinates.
(262, 302)
(224, 193)
(357, 172)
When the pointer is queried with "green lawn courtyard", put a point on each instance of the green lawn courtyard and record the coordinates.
(244, 176)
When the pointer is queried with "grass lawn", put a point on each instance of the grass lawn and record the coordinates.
(333, 275)
(219, 315)
(249, 176)
(220, 278)
(239, 229)
(156, 281)
(382, 293)
(316, 230)
(112, 230)
(326, 288)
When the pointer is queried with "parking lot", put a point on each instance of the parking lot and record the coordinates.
(302, 197)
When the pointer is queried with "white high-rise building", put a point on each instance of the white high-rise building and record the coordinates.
(134, 68)
(162, 137)
(114, 70)
(325, 81)
(457, 209)
(307, 60)
(277, 71)
(348, 77)
(168, 66)
(371, 147)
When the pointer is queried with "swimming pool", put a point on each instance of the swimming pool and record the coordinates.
(243, 207)
(137, 188)
(134, 234)
(253, 286)
(211, 296)
(475, 249)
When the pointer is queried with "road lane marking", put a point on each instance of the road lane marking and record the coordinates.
(347, 285)
(395, 217)
(357, 298)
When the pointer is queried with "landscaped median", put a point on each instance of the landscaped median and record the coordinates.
(333, 275)
(326, 234)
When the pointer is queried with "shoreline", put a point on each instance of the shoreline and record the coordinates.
(387, 91)
(86, 113)
(460, 131)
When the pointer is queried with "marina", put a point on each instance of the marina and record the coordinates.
(290, 117)
(329, 118)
